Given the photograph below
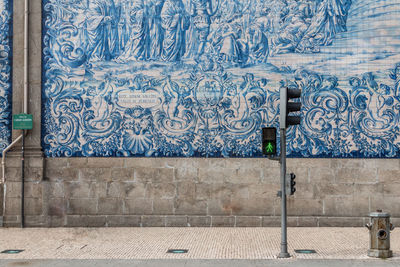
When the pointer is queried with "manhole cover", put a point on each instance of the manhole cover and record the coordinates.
(12, 251)
(177, 251)
(305, 251)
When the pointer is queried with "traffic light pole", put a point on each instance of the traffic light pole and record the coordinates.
(286, 119)
(284, 252)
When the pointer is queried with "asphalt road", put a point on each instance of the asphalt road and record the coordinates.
(200, 263)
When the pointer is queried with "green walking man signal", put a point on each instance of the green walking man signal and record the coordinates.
(269, 141)
(270, 148)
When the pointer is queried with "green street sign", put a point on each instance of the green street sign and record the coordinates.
(22, 121)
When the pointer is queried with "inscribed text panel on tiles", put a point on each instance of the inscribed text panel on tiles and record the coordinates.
(202, 77)
(5, 72)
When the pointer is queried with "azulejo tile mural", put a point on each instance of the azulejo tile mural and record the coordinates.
(5, 72)
(202, 77)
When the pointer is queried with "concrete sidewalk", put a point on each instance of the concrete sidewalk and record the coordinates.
(202, 243)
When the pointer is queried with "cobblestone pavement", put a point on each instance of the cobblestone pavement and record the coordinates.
(202, 243)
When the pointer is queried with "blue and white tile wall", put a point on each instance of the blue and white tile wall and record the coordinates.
(5, 72)
(202, 77)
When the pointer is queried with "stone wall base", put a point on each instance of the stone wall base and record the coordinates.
(196, 192)
(184, 221)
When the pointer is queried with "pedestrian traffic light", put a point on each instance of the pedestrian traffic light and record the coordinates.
(287, 106)
(292, 183)
(269, 141)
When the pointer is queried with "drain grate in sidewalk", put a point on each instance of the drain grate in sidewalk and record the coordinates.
(177, 251)
(305, 251)
(12, 251)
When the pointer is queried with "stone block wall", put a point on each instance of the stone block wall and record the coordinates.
(199, 192)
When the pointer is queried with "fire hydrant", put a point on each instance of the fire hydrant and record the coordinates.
(379, 234)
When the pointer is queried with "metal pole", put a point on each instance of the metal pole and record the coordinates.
(26, 56)
(22, 180)
(284, 252)
(26, 81)
(25, 106)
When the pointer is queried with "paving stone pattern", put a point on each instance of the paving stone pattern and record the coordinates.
(202, 243)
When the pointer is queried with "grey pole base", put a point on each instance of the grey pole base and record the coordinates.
(284, 255)
(380, 253)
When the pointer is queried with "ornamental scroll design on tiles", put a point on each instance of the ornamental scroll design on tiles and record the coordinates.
(200, 78)
(5, 72)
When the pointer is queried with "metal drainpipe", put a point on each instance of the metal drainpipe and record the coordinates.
(26, 54)
(25, 105)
